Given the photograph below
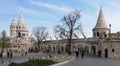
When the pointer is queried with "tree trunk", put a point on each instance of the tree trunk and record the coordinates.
(38, 46)
(70, 40)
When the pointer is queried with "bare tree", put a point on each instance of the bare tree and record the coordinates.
(69, 27)
(40, 33)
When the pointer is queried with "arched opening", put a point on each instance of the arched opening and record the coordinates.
(87, 50)
(105, 35)
(106, 52)
(113, 50)
(93, 50)
(53, 49)
(19, 34)
(45, 50)
(49, 49)
(62, 49)
(98, 34)
(80, 48)
(58, 49)
(66, 48)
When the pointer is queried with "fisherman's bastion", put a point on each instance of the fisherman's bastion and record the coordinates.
(102, 40)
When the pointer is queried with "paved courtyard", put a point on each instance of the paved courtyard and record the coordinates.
(93, 61)
(20, 59)
(87, 61)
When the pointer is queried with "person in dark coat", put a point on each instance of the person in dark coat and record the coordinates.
(77, 54)
(8, 54)
(82, 54)
(99, 53)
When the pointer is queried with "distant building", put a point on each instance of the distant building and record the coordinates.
(20, 39)
(103, 41)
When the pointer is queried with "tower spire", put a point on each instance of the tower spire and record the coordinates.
(21, 20)
(100, 21)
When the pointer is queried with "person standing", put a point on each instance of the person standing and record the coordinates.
(8, 54)
(11, 54)
(82, 54)
(77, 54)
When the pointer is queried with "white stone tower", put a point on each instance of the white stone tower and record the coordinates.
(13, 29)
(20, 39)
(21, 27)
(100, 30)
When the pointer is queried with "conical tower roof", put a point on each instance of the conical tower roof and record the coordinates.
(100, 21)
(21, 20)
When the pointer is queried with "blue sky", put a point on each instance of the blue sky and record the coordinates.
(49, 13)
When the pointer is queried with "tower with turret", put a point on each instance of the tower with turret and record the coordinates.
(100, 30)
(13, 29)
(20, 39)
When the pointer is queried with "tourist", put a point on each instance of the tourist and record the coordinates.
(99, 53)
(77, 54)
(82, 54)
(7, 54)
(11, 54)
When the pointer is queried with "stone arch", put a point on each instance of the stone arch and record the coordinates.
(86, 49)
(58, 49)
(66, 48)
(45, 49)
(80, 48)
(49, 49)
(98, 34)
(19, 34)
(54, 49)
(106, 52)
(62, 49)
(93, 50)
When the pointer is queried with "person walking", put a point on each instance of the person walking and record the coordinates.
(8, 54)
(11, 54)
(82, 54)
(77, 54)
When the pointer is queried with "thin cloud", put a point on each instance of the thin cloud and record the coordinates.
(51, 6)
(28, 10)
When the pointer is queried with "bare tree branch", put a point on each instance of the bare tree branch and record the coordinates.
(69, 26)
(40, 33)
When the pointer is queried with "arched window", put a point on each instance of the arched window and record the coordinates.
(19, 34)
(113, 50)
(19, 27)
(98, 34)
(105, 35)
(23, 34)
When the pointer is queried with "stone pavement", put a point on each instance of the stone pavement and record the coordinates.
(19, 58)
(93, 61)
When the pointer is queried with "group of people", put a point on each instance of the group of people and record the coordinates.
(9, 54)
(80, 52)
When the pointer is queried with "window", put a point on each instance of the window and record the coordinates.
(105, 35)
(98, 34)
(19, 27)
(19, 34)
(113, 50)
(23, 34)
